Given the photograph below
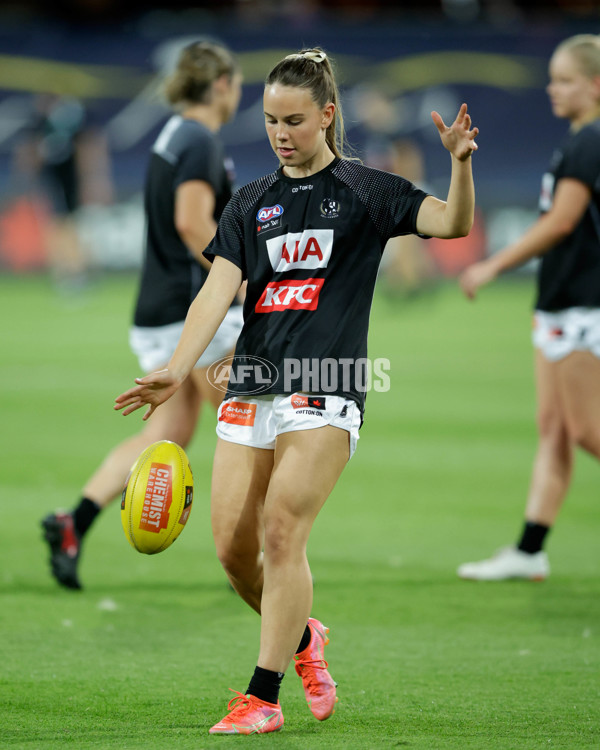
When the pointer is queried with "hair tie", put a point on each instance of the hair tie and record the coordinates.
(316, 56)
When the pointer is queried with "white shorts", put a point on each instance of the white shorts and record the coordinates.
(154, 347)
(256, 421)
(576, 329)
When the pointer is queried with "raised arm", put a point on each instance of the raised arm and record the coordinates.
(571, 199)
(205, 315)
(454, 216)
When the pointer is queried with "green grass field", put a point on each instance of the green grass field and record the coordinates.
(143, 657)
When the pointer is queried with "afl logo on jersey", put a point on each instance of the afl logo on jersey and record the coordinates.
(330, 208)
(269, 212)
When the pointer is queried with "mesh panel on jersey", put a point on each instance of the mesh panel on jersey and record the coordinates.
(249, 194)
(383, 194)
(232, 225)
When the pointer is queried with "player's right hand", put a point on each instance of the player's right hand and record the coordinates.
(152, 390)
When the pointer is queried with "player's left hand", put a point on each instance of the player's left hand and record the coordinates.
(459, 138)
(475, 276)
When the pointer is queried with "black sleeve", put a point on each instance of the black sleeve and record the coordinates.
(404, 204)
(202, 160)
(228, 242)
(582, 158)
(392, 202)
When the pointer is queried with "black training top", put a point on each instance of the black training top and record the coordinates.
(171, 277)
(569, 274)
(310, 249)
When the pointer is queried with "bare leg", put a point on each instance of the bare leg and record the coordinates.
(307, 465)
(207, 391)
(67, 258)
(240, 479)
(579, 378)
(175, 420)
(553, 463)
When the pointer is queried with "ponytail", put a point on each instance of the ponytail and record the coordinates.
(311, 69)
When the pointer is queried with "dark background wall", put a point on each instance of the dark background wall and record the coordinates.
(417, 56)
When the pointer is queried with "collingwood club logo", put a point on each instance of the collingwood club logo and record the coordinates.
(330, 208)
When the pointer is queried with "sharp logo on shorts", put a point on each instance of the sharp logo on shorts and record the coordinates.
(308, 402)
(290, 295)
(235, 412)
(269, 212)
(158, 498)
(308, 249)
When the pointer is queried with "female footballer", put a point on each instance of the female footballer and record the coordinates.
(566, 333)
(187, 187)
(308, 238)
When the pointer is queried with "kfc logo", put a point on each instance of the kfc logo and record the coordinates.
(290, 295)
(308, 249)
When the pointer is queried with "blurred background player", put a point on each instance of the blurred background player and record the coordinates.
(280, 454)
(407, 267)
(566, 331)
(187, 187)
(66, 157)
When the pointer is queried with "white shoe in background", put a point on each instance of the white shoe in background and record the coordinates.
(507, 563)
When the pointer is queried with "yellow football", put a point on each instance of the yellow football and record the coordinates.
(157, 497)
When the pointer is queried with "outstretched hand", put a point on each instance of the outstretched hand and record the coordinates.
(152, 390)
(459, 138)
(475, 276)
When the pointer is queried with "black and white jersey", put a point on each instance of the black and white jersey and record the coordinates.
(171, 277)
(310, 249)
(569, 274)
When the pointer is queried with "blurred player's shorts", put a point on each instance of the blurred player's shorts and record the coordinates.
(154, 347)
(576, 329)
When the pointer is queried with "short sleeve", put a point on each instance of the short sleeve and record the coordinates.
(201, 161)
(405, 202)
(228, 241)
(392, 202)
(581, 159)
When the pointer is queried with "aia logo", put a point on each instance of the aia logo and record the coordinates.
(308, 402)
(330, 208)
(308, 249)
(269, 212)
(290, 295)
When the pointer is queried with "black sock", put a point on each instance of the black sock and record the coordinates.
(532, 539)
(305, 640)
(84, 515)
(265, 685)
